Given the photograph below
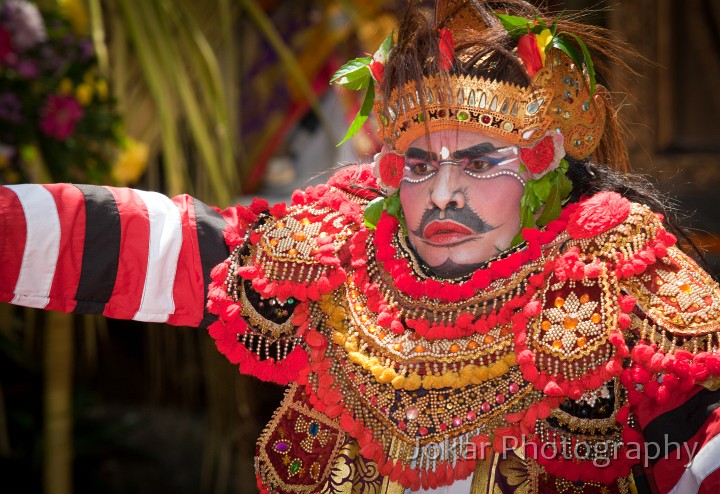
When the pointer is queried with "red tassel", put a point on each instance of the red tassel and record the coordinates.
(553, 389)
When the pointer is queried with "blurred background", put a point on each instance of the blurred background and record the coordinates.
(226, 100)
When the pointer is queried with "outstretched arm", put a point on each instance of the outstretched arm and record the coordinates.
(119, 252)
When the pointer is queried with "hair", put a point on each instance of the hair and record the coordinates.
(483, 48)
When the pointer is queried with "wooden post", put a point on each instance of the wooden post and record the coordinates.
(57, 403)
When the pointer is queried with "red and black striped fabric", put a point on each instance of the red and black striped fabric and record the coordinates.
(682, 442)
(120, 252)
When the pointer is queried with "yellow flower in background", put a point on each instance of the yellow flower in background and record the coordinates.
(132, 162)
(76, 13)
(84, 94)
(543, 40)
(66, 86)
(101, 88)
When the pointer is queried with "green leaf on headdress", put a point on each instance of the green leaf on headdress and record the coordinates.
(514, 25)
(546, 196)
(393, 205)
(553, 206)
(388, 44)
(568, 49)
(362, 114)
(571, 52)
(354, 74)
(373, 211)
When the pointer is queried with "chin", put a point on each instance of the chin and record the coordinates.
(451, 262)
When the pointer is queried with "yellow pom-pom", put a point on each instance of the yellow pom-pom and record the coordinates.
(412, 382)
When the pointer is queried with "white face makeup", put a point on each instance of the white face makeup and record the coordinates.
(461, 199)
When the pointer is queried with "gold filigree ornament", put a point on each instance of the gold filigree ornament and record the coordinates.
(558, 99)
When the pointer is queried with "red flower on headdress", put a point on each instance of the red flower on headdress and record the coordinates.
(376, 69)
(447, 49)
(529, 52)
(391, 169)
(545, 155)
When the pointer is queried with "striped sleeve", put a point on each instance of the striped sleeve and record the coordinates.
(120, 252)
(682, 442)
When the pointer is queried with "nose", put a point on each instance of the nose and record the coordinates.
(446, 189)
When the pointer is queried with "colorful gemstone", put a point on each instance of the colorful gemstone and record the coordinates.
(584, 298)
(454, 348)
(472, 345)
(596, 318)
(314, 429)
(485, 407)
(402, 425)
(500, 399)
(315, 470)
(485, 119)
(470, 416)
(570, 323)
(488, 339)
(456, 421)
(295, 466)
(559, 302)
(412, 413)
(423, 431)
(581, 341)
(545, 325)
(514, 388)
(282, 446)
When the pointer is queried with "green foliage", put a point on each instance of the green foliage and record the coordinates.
(518, 26)
(543, 199)
(356, 75)
(390, 204)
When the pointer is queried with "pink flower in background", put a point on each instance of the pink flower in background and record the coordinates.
(6, 47)
(60, 115)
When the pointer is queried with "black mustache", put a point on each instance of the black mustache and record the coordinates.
(463, 216)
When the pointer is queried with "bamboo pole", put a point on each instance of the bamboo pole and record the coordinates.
(57, 432)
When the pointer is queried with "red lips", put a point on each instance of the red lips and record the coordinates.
(444, 231)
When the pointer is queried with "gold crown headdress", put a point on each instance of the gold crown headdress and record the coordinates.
(557, 99)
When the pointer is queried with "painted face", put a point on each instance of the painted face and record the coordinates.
(460, 194)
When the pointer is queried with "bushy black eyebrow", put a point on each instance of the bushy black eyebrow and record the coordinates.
(474, 151)
(420, 154)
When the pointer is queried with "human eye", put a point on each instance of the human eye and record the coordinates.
(478, 165)
(419, 170)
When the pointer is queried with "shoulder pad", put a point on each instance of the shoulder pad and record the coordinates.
(680, 300)
(299, 254)
(620, 231)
